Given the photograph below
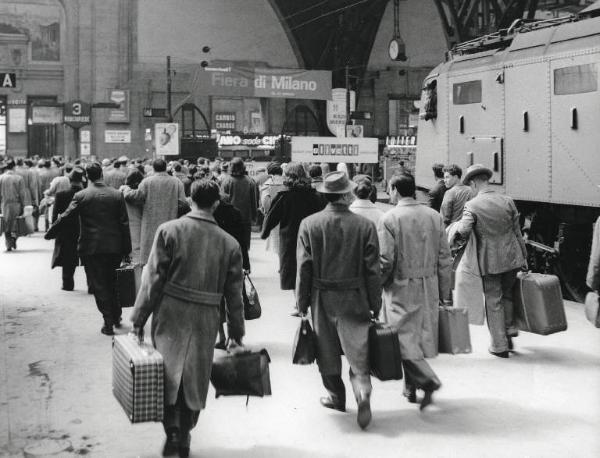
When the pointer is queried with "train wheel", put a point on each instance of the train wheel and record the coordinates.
(574, 242)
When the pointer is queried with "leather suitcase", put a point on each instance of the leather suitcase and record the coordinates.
(137, 381)
(384, 352)
(241, 374)
(592, 308)
(538, 304)
(128, 284)
(454, 334)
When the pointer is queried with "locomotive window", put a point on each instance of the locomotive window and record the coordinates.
(576, 80)
(467, 92)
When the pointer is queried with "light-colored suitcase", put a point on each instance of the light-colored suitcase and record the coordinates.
(538, 304)
(138, 379)
(454, 334)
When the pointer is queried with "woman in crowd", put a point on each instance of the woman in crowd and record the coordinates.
(288, 209)
(134, 212)
(363, 205)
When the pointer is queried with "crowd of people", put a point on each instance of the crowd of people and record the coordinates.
(347, 261)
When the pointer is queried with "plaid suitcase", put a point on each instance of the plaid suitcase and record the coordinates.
(138, 379)
(539, 306)
(128, 284)
(454, 335)
(384, 352)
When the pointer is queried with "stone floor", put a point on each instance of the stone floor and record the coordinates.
(55, 387)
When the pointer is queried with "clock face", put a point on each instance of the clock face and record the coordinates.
(393, 49)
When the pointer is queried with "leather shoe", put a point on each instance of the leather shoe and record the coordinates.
(221, 345)
(427, 399)
(511, 345)
(363, 417)
(500, 354)
(107, 330)
(296, 313)
(411, 395)
(171, 447)
(331, 404)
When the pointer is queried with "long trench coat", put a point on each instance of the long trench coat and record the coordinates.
(339, 278)
(192, 265)
(415, 270)
(12, 198)
(158, 195)
(65, 245)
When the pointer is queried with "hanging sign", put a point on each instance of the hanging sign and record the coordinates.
(330, 149)
(77, 114)
(336, 111)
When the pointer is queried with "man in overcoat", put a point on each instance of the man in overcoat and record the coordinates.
(103, 242)
(30, 179)
(159, 196)
(501, 252)
(12, 198)
(338, 278)
(183, 291)
(415, 270)
(65, 247)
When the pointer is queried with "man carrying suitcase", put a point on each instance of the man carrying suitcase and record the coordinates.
(501, 252)
(415, 270)
(338, 278)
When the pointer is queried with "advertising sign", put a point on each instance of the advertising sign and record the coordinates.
(85, 149)
(17, 120)
(336, 111)
(166, 139)
(224, 121)
(117, 136)
(285, 83)
(46, 115)
(329, 149)
(77, 114)
(248, 140)
(355, 130)
(121, 114)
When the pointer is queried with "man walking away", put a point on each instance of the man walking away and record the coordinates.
(338, 278)
(501, 252)
(12, 198)
(104, 240)
(159, 195)
(30, 179)
(193, 264)
(436, 194)
(415, 270)
(456, 196)
(116, 176)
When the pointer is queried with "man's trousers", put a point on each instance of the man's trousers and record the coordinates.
(100, 270)
(498, 290)
(180, 418)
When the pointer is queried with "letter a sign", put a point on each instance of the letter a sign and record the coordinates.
(8, 80)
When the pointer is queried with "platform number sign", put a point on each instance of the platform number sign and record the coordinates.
(8, 80)
(77, 114)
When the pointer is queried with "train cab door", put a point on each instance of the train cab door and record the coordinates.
(575, 100)
(476, 119)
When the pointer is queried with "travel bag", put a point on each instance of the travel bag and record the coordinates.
(241, 374)
(538, 304)
(384, 352)
(137, 381)
(592, 308)
(252, 309)
(129, 278)
(454, 334)
(305, 344)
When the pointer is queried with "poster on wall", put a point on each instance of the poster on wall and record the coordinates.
(121, 114)
(166, 139)
(33, 26)
(336, 111)
(17, 120)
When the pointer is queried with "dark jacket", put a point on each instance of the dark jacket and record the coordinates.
(229, 219)
(242, 192)
(65, 246)
(436, 195)
(288, 210)
(103, 218)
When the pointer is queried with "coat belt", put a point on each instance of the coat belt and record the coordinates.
(192, 295)
(338, 284)
(423, 272)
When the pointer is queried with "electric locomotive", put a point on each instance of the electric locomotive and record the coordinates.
(525, 102)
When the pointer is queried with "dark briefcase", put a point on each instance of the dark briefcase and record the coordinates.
(305, 344)
(128, 284)
(384, 352)
(454, 335)
(538, 303)
(241, 374)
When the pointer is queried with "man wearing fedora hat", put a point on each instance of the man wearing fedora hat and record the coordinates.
(338, 278)
(501, 253)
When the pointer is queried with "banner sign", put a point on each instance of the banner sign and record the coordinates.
(250, 141)
(285, 83)
(331, 149)
(46, 115)
(121, 114)
(117, 136)
(336, 111)
(166, 138)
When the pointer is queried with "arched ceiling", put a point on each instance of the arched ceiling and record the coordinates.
(330, 34)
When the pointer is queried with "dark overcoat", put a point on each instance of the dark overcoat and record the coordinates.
(288, 209)
(65, 245)
(192, 265)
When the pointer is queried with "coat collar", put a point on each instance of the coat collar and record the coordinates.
(202, 215)
(99, 183)
(337, 207)
(362, 203)
(405, 201)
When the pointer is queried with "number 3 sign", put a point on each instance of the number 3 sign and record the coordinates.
(77, 114)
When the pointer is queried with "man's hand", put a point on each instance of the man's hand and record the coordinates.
(139, 333)
(246, 271)
(235, 346)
